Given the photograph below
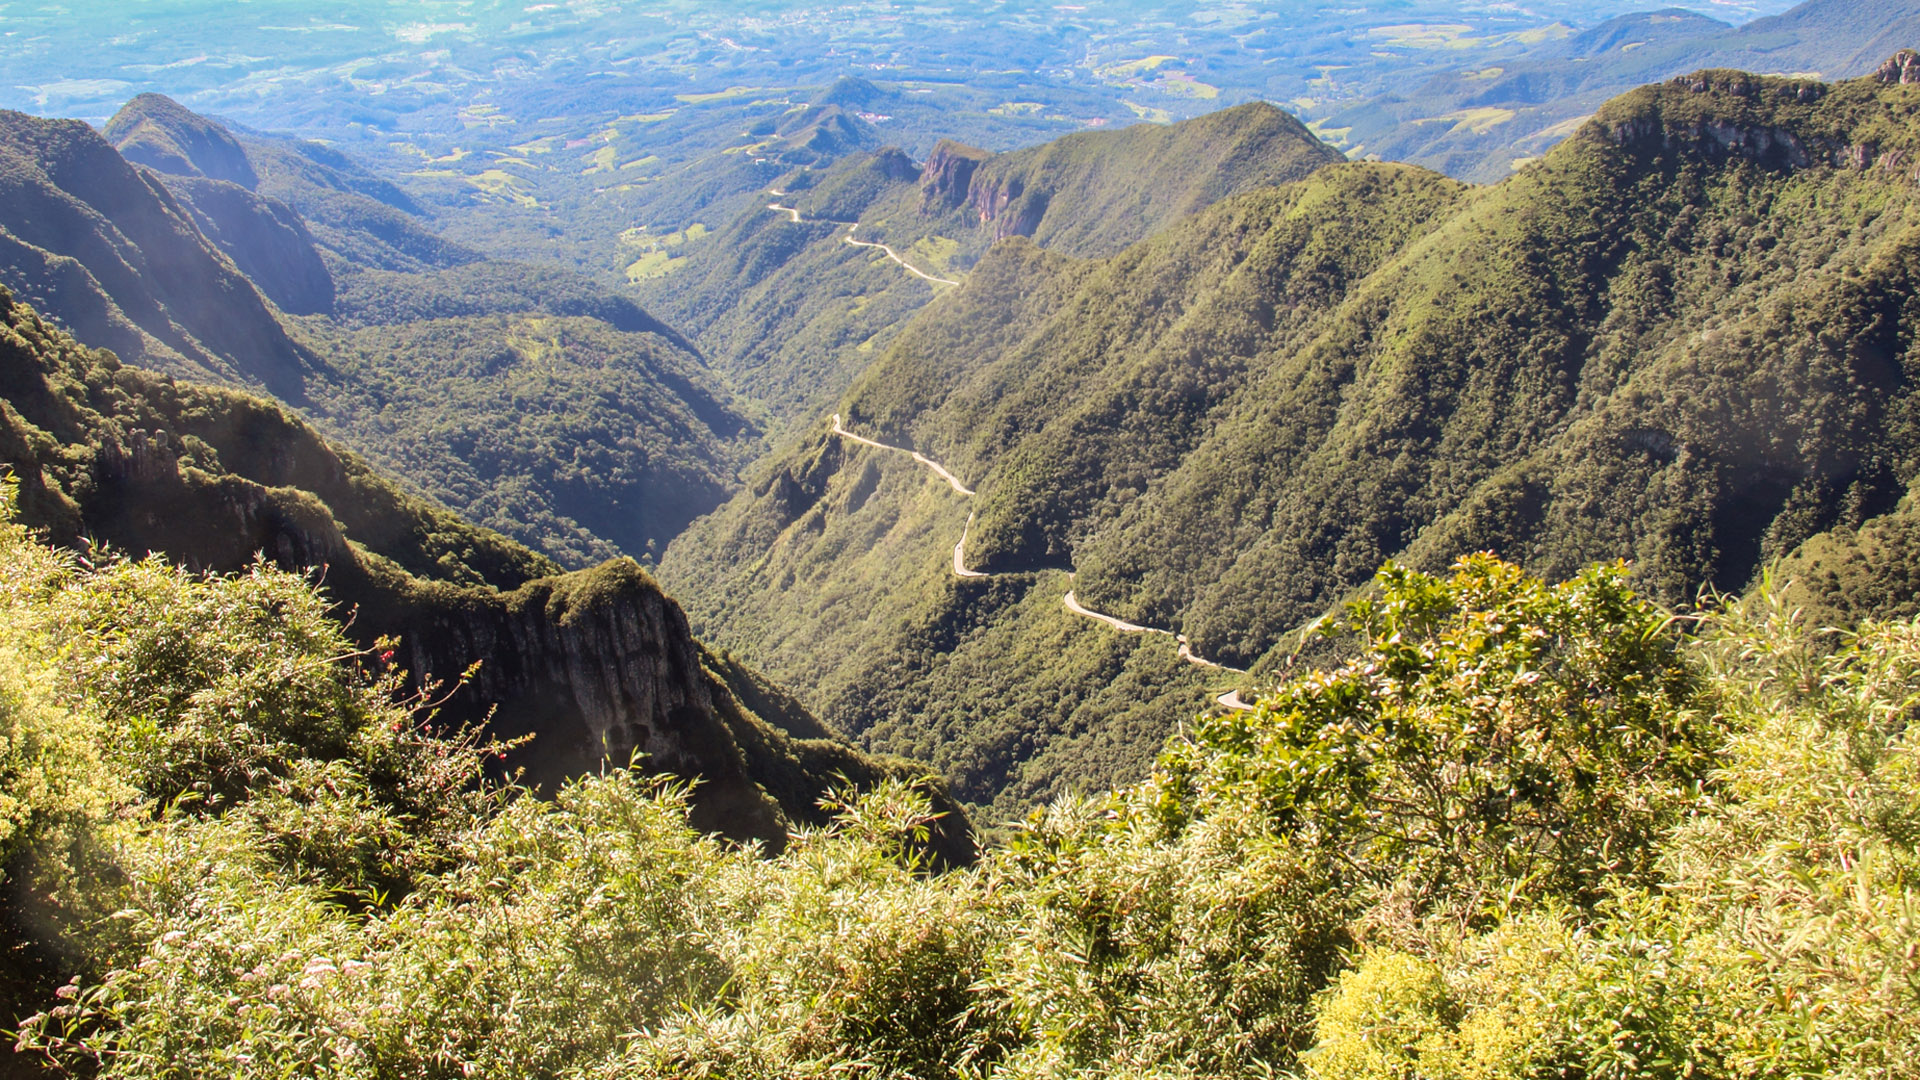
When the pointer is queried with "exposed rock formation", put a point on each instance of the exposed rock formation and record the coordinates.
(1902, 67)
(1094, 192)
(597, 666)
(948, 175)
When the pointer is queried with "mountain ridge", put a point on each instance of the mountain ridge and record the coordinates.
(1226, 428)
(767, 298)
(597, 665)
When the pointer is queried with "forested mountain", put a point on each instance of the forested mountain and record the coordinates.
(104, 248)
(359, 219)
(1683, 338)
(790, 313)
(1396, 628)
(596, 664)
(530, 400)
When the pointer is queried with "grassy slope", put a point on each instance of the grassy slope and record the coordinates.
(1681, 339)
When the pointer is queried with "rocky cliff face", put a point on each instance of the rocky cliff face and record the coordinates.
(1722, 115)
(1006, 208)
(596, 666)
(948, 175)
(1092, 193)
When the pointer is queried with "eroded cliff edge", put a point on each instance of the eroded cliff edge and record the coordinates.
(597, 665)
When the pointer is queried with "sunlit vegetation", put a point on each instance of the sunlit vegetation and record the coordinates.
(659, 255)
(1526, 831)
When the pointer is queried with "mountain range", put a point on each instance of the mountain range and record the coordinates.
(1202, 378)
(1175, 600)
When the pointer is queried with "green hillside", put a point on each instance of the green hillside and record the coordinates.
(101, 247)
(1682, 339)
(597, 664)
(531, 400)
(1529, 831)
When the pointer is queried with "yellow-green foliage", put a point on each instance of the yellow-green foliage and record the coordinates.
(272, 882)
(53, 782)
(1781, 941)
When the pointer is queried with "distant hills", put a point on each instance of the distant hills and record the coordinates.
(1477, 122)
(102, 246)
(532, 400)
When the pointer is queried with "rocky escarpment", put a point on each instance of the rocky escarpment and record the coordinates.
(1007, 208)
(1777, 123)
(947, 177)
(1093, 193)
(596, 666)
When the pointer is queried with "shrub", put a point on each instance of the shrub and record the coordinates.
(1498, 738)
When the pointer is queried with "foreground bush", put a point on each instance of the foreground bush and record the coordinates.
(1529, 831)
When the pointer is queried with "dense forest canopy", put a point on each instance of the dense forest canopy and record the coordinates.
(1685, 337)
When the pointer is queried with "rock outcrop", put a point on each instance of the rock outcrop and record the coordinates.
(1092, 193)
(947, 177)
(597, 666)
(1901, 68)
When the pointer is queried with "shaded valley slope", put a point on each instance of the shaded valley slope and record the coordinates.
(530, 400)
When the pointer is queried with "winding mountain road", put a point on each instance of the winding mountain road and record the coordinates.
(794, 214)
(895, 256)
(1230, 699)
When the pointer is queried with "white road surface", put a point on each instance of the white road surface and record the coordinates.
(1073, 603)
(794, 214)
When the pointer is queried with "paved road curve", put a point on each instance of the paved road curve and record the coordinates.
(891, 254)
(1230, 700)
